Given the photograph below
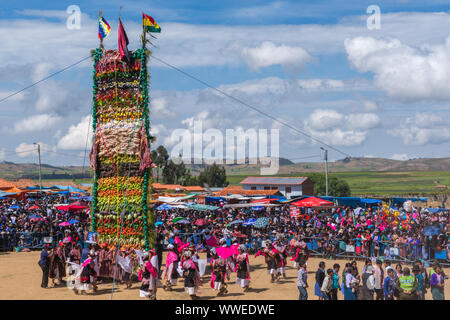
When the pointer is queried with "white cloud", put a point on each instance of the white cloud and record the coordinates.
(75, 138)
(339, 129)
(269, 54)
(403, 72)
(159, 108)
(27, 149)
(36, 123)
(423, 128)
(401, 157)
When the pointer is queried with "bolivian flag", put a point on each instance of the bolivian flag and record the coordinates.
(149, 24)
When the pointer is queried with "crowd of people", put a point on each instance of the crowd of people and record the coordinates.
(227, 236)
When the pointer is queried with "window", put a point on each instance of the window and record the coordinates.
(253, 188)
(266, 188)
(288, 190)
(274, 188)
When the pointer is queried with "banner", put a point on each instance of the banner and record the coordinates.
(294, 211)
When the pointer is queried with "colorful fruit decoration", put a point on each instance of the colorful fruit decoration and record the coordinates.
(120, 155)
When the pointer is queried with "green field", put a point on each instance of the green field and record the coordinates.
(381, 183)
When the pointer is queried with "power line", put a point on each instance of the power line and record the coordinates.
(248, 105)
(43, 79)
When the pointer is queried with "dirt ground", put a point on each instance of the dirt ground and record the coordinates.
(20, 278)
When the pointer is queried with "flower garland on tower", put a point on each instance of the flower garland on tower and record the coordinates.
(120, 155)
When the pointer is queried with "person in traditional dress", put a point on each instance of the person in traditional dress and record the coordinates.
(105, 262)
(57, 269)
(273, 261)
(149, 275)
(75, 254)
(191, 276)
(88, 276)
(124, 261)
(170, 273)
(218, 275)
(282, 249)
(243, 268)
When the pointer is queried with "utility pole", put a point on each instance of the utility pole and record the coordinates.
(39, 154)
(326, 170)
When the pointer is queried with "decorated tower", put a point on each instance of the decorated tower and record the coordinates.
(120, 155)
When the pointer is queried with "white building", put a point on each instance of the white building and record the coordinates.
(290, 187)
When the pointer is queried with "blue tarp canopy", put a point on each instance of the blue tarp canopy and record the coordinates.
(398, 200)
(214, 199)
(436, 210)
(370, 201)
(15, 206)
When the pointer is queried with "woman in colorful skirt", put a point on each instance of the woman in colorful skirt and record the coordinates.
(170, 273)
(218, 276)
(243, 268)
(149, 275)
(191, 276)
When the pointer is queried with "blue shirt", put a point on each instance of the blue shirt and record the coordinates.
(44, 257)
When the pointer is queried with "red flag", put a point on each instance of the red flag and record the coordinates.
(123, 42)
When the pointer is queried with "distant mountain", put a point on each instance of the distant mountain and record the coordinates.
(13, 171)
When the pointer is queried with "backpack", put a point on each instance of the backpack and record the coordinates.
(370, 283)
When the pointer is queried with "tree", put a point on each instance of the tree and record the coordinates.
(160, 158)
(336, 187)
(214, 176)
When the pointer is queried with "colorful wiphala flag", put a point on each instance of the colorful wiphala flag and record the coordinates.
(103, 28)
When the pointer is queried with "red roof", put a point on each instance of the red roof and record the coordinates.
(312, 202)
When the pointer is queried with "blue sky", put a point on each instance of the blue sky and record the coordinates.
(374, 93)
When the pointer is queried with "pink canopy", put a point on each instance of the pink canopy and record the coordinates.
(312, 202)
(64, 224)
(71, 208)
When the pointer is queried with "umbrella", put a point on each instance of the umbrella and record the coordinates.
(64, 224)
(257, 208)
(165, 206)
(33, 208)
(158, 223)
(183, 221)
(236, 221)
(261, 222)
(14, 207)
(239, 235)
(200, 222)
(73, 221)
(175, 220)
(35, 216)
(250, 222)
(431, 231)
